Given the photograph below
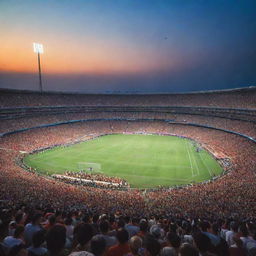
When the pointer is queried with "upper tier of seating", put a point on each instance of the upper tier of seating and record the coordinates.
(239, 98)
(239, 114)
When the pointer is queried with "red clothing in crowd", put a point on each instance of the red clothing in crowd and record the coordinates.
(118, 250)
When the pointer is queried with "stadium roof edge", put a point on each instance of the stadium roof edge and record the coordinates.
(240, 89)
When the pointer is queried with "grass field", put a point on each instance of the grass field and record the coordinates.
(145, 161)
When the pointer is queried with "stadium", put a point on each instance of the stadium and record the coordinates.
(223, 122)
(127, 128)
(218, 121)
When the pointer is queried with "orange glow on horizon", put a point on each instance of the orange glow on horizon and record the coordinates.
(69, 56)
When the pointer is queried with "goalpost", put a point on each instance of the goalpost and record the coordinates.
(89, 167)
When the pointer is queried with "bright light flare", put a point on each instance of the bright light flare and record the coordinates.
(38, 48)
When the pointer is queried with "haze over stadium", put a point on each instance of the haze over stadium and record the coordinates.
(128, 45)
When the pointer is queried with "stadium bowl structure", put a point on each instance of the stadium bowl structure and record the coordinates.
(222, 122)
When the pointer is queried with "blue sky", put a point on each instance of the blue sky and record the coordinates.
(129, 45)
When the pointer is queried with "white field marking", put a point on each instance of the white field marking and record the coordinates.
(209, 171)
(191, 168)
(195, 162)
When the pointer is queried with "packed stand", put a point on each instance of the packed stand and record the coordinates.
(209, 199)
(243, 127)
(51, 232)
(231, 99)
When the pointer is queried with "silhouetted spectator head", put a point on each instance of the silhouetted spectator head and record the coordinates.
(187, 227)
(95, 218)
(120, 223)
(143, 225)
(173, 239)
(111, 218)
(152, 245)
(52, 220)
(86, 218)
(56, 239)
(234, 226)
(127, 219)
(122, 236)
(18, 217)
(205, 225)
(98, 245)
(135, 244)
(155, 230)
(83, 233)
(244, 231)
(203, 242)
(135, 221)
(68, 221)
(173, 227)
(104, 226)
(187, 249)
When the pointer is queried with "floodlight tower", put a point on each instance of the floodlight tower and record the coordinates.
(38, 48)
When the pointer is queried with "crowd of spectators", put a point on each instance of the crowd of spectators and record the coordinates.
(82, 178)
(83, 174)
(51, 232)
(244, 127)
(208, 212)
(231, 99)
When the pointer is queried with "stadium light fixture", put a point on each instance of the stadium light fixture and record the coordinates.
(38, 48)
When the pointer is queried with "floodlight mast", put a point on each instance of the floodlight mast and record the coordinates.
(40, 76)
(38, 48)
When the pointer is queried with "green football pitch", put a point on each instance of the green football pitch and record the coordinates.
(145, 161)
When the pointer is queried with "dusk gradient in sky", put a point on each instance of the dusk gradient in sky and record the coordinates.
(128, 45)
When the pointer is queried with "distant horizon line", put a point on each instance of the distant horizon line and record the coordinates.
(114, 92)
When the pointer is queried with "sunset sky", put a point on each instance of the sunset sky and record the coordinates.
(128, 45)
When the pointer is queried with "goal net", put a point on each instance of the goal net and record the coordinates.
(89, 167)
